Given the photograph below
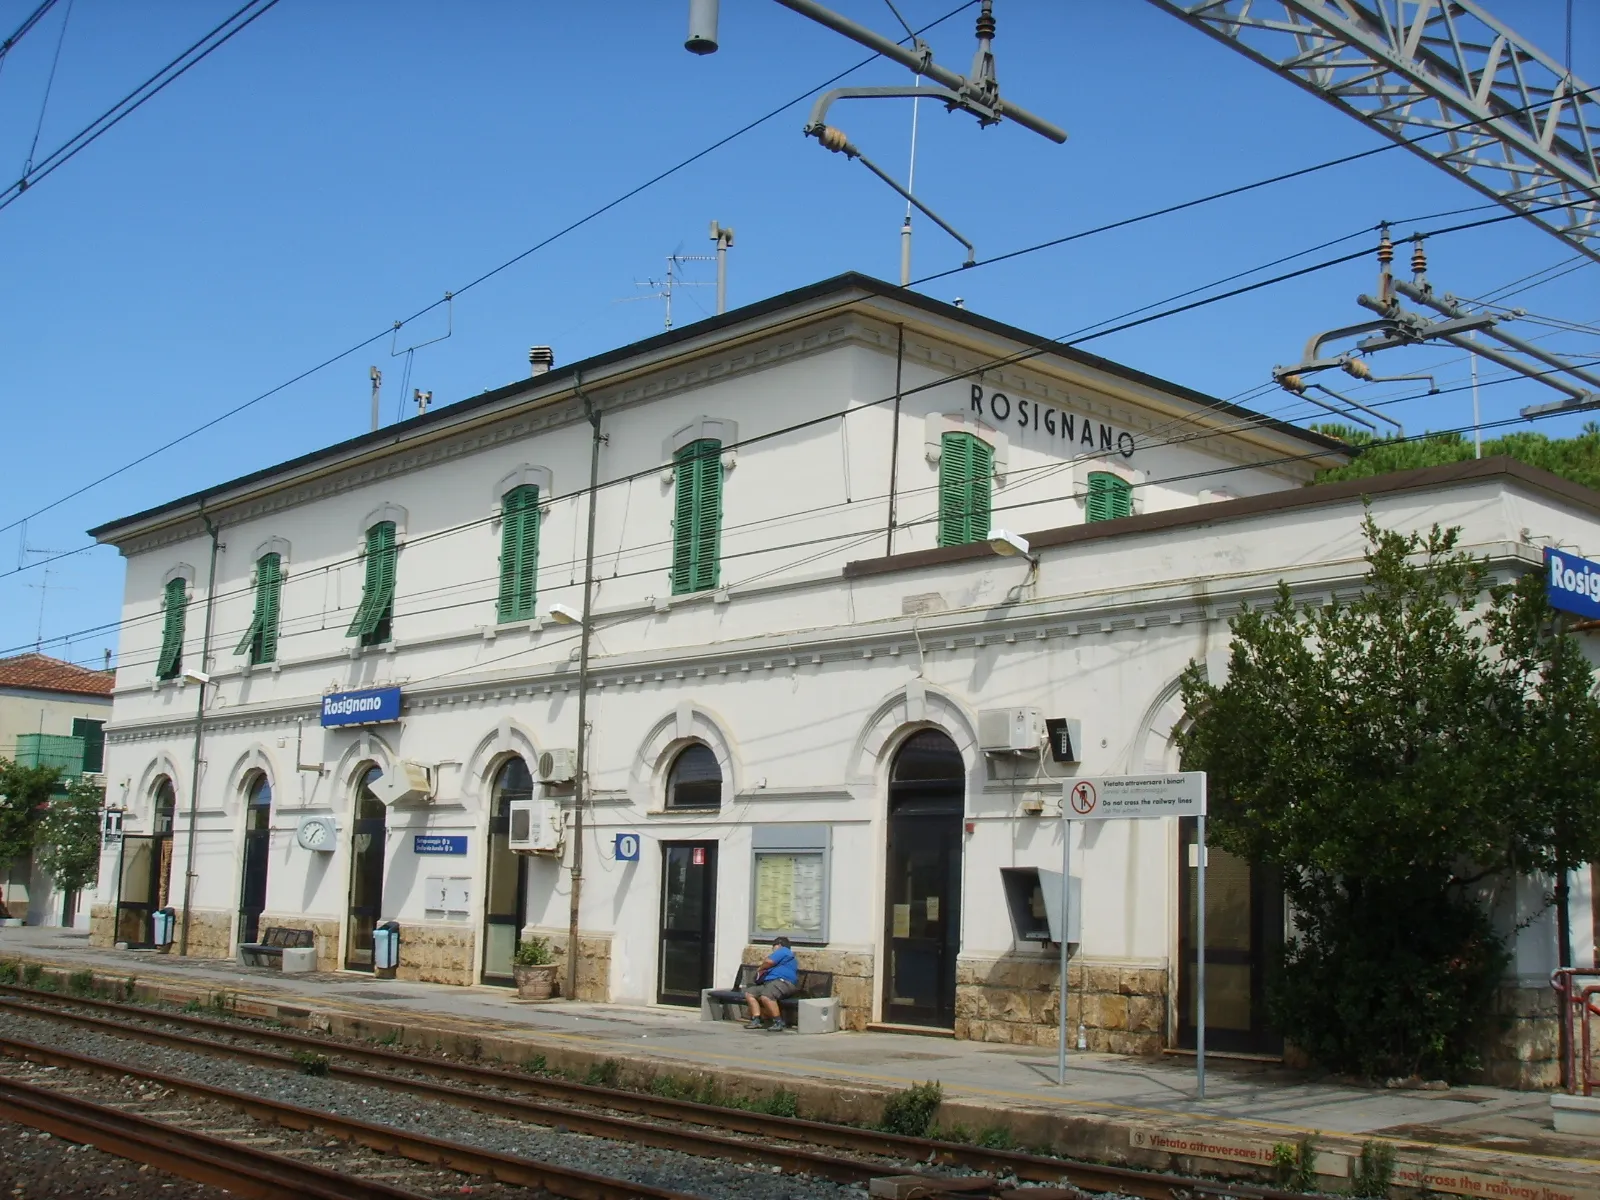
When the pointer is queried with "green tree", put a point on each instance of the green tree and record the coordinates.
(23, 792)
(1576, 458)
(1389, 755)
(67, 836)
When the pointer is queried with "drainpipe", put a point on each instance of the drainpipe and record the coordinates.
(199, 735)
(580, 791)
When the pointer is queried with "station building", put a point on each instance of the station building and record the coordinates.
(817, 697)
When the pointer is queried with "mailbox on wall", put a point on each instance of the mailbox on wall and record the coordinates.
(1033, 898)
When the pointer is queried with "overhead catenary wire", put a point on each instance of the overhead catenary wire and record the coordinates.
(28, 22)
(49, 85)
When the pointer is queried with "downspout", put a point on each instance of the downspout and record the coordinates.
(580, 791)
(199, 735)
(894, 440)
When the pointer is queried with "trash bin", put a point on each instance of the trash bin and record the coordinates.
(162, 922)
(386, 949)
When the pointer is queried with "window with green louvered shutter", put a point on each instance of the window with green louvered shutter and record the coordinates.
(697, 517)
(376, 612)
(1110, 497)
(175, 605)
(966, 481)
(519, 553)
(260, 641)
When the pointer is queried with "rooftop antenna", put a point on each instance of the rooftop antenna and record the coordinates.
(423, 400)
(45, 588)
(674, 279)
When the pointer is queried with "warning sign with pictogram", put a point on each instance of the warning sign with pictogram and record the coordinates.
(1083, 798)
(1119, 797)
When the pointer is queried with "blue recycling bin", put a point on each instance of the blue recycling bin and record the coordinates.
(386, 949)
(162, 922)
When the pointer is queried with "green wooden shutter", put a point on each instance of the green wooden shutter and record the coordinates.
(697, 517)
(519, 553)
(260, 641)
(1110, 497)
(176, 604)
(377, 594)
(966, 480)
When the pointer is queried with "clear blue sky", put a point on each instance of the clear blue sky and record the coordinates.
(340, 165)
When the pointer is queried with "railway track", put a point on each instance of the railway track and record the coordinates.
(785, 1143)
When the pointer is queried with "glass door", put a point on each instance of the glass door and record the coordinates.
(688, 920)
(253, 868)
(506, 873)
(1244, 935)
(368, 832)
(144, 871)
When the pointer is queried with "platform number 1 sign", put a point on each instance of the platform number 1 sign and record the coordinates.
(627, 847)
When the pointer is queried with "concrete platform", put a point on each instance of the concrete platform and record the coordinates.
(1472, 1141)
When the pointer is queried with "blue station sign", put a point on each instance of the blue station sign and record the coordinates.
(361, 708)
(439, 843)
(1572, 584)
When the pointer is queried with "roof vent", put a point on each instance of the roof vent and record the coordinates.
(540, 359)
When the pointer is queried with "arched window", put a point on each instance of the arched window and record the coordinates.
(695, 780)
(512, 782)
(166, 804)
(928, 756)
(258, 808)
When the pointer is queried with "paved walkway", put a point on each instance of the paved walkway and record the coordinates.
(1148, 1105)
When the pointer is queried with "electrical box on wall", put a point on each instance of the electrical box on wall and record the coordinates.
(1033, 898)
(1066, 739)
(535, 827)
(1010, 730)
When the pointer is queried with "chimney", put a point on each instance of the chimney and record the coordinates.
(540, 359)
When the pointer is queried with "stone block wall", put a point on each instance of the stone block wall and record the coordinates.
(1014, 999)
(102, 925)
(438, 952)
(594, 963)
(852, 978)
(325, 932)
(210, 933)
(1526, 1052)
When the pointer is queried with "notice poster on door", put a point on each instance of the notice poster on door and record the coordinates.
(902, 920)
(698, 856)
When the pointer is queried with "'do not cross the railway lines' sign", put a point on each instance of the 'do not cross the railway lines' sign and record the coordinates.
(1136, 797)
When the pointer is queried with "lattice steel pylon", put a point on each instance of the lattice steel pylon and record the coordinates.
(1407, 68)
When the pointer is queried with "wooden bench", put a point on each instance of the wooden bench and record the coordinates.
(268, 952)
(810, 985)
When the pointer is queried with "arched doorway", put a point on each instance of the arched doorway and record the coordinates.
(145, 871)
(506, 877)
(368, 833)
(689, 882)
(922, 908)
(253, 866)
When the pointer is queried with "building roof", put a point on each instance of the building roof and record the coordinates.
(840, 289)
(41, 673)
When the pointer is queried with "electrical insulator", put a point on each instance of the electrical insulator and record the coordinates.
(1358, 368)
(1385, 248)
(833, 139)
(1293, 383)
(1419, 260)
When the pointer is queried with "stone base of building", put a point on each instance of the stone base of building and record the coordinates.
(325, 934)
(1526, 1052)
(435, 952)
(852, 978)
(1014, 999)
(102, 925)
(210, 933)
(594, 963)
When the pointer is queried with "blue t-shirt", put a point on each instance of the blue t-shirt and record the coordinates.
(783, 966)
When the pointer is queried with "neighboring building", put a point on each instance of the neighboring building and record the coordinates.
(800, 640)
(52, 713)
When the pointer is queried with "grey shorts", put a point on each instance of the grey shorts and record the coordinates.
(773, 989)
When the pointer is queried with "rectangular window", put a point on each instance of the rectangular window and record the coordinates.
(966, 477)
(697, 517)
(789, 883)
(376, 613)
(519, 552)
(260, 641)
(175, 604)
(1110, 497)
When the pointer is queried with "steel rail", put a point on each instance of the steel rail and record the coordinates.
(1033, 1168)
(201, 1157)
(385, 1139)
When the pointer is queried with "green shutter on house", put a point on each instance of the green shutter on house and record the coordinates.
(966, 474)
(260, 641)
(371, 623)
(697, 517)
(176, 604)
(519, 553)
(1110, 497)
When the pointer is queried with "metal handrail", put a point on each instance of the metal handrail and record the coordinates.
(1579, 1002)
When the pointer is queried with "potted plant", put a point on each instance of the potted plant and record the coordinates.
(534, 967)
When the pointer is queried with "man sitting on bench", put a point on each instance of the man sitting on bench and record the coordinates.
(774, 982)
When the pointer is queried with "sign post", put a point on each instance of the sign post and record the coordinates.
(1137, 798)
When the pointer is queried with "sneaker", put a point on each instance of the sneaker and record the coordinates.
(756, 1023)
(778, 1026)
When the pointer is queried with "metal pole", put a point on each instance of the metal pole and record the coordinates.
(905, 253)
(1066, 926)
(1200, 967)
(1477, 420)
(377, 386)
(199, 736)
(722, 277)
(580, 786)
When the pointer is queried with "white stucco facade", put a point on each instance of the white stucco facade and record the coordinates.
(836, 629)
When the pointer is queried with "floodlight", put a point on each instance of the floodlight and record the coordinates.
(564, 615)
(1007, 544)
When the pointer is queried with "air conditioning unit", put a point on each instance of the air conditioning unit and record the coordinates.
(317, 833)
(558, 766)
(408, 781)
(536, 827)
(1010, 730)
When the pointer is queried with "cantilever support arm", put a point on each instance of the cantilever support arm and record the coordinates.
(838, 143)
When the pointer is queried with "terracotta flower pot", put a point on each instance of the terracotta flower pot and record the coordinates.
(535, 983)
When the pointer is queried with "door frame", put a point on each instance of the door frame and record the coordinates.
(708, 926)
(484, 976)
(383, 869)
(148, 906)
